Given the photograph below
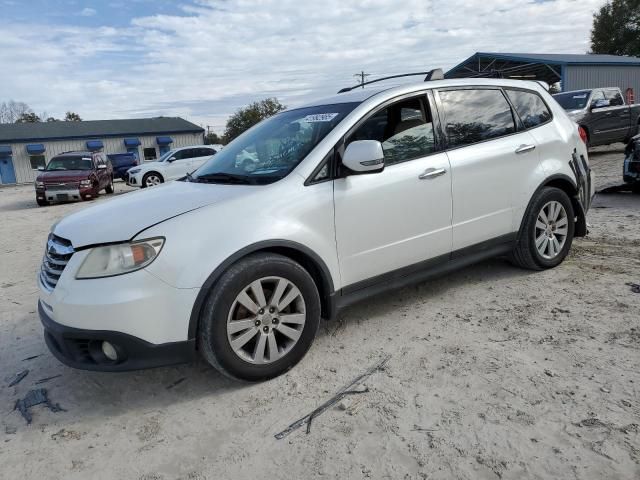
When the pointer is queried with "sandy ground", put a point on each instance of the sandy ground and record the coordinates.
(495, 372)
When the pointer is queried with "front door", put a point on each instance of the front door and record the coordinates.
(401, 216)
(489, 161)
(7, 173)
(179, 167)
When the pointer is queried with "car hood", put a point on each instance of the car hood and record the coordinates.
(54, 176)
(122, 218)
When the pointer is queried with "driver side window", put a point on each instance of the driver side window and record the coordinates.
(404, 128)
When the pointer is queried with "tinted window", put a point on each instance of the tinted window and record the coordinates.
(476, 115)
(37, 161)
(405, 130)
(614, 97)
(149, 153)
(530, 107)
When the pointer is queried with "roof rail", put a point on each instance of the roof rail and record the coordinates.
(435, 74)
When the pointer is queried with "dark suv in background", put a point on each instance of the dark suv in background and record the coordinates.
(74, 176)
(121, 162)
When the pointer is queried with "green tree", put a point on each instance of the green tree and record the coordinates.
(616, 28)
(247, 117)
(28, 117)
(212, 138)
(72, 117)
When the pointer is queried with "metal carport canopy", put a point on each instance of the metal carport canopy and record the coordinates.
(547, 67)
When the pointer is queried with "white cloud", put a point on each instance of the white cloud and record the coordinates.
(218, 56)
(88, 12)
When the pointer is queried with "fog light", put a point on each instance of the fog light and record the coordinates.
(109, 351)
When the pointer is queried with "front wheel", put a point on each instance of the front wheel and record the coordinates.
(260, 318)
(109, 188)
(42, 203)
(547, 231)
(152, 179)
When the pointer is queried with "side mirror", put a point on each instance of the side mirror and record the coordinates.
(41, 169)
(172, 159)
(102, 167)
(600, 103)
(364, 156)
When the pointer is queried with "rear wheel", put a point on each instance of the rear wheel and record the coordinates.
(547, 231)
(152, 179)
(260, 318)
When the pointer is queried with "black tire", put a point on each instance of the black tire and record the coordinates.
(525, 254)
(213, 342)
(42, 203)
(109, 188)
(635, 188)
(149, 174)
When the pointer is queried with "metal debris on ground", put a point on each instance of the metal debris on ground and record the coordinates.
(18, 377)
(31, 357)
(46, 379)
(344, 391)
(33, 398)
(176, 383)
(635, 288)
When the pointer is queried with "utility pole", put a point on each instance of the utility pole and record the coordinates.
(362, 76)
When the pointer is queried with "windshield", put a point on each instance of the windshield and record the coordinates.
(573, 100)
(271, 149)
(70, 163)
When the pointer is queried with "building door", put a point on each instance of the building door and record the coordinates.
(134, 150)
(7, 173)
(164, 149)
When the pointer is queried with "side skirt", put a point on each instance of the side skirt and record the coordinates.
(422, 271)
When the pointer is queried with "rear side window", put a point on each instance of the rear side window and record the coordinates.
(530, 107)
(476, 115)
(614, 97)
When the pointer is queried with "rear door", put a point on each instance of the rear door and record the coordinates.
(490, 156)
(397, 218)
(618, 116)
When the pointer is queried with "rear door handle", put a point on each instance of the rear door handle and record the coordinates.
(431, 173)
(525, 148)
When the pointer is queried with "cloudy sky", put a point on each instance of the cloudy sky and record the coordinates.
(203, 59)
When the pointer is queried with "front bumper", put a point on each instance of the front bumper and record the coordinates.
(80, 348)
(134, 180)
(66, 195)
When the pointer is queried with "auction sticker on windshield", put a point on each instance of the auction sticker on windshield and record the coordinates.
(320, 117)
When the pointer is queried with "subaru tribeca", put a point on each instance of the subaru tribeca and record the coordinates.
(364, 191)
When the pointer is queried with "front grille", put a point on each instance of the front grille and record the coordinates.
(61, 186)
(56, 256)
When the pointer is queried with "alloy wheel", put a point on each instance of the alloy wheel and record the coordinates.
(552, 228)
(152, 180)
(266, 320)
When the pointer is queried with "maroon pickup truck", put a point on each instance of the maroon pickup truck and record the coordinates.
(74, 176)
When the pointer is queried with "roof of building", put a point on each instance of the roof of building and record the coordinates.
(542, 66)
(43, 131)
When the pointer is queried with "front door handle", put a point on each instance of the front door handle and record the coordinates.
(431, 173)
(525, 148)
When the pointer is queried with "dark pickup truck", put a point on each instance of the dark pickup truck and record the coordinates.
(602, 113)
(73, 176)
(122, 162)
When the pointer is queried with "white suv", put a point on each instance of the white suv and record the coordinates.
(172, 165)
(364, 191)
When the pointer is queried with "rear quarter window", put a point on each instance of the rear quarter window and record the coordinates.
(476, 115)
(530, 107)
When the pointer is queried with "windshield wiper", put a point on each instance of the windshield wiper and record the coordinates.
(222, 177)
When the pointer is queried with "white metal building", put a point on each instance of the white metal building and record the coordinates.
(26, 146)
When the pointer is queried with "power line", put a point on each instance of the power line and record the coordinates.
(362, 76)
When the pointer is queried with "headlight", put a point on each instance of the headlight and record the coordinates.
(85, 183)
(133, 171)
(118, 259)
(39, 184)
